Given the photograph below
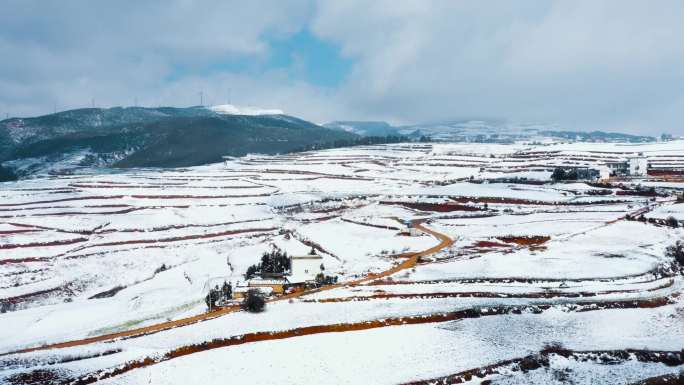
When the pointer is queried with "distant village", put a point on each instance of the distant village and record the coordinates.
(632, 166)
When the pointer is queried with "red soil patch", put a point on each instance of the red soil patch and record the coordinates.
(161, 186)
(182, 238)
(370, 225)
(22, 260)
(198, 196)
(43, 244)
(319, 219)
(666, 172)
(62, 200)
(518, 201)
(541, 360)
(10, 232)
(637, 193)
(61, 213)
(32, 296)
(525, 241)
(438, 207)
(489, 244)
(334, 328)
(380, 294)
(174, 227)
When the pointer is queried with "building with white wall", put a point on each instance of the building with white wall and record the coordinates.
(638, 165)
(305, 267)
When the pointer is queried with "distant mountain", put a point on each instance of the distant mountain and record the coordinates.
(594, 136)
(148, 137)
(495, 131)
(178, 137)
(364, 128)
(482, 131)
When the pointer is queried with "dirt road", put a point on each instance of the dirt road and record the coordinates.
(410, 262)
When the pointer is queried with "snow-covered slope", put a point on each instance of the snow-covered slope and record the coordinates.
(230, 109)
(498, 270)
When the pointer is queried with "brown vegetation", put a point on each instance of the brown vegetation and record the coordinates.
(533, 240)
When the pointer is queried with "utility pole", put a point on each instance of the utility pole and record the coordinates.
(229, 102)
(201, 98)
(55, 108)
(135, 102)
(92, 102)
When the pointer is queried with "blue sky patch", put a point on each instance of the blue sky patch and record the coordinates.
(302, 55)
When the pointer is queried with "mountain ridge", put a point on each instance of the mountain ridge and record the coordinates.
(482, 130)
(148, 137)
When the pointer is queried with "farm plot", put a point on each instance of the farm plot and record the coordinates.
(454, 263)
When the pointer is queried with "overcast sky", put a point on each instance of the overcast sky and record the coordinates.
(614, 65)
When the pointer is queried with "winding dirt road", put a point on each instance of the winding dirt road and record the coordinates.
(410, 262)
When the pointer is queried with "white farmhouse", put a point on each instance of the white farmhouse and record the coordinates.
(638, 165)
(305, 267)
(604, 172)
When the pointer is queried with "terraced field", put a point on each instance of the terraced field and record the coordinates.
(510, 278)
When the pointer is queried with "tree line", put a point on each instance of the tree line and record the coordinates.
(361, 141)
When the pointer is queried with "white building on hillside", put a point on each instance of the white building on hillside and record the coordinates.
(604, 172)
(638, 165)
(305, 267)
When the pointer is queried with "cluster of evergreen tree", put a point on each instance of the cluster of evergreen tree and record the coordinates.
(361, 141)
(676, 252)
(254, 301)
(561, 174)
(273, 262)
(672, 222)
(322, 279)
(217, 295)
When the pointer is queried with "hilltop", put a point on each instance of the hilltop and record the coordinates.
(150, 137)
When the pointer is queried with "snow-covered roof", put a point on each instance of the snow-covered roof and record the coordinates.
(261, 281)
(267, 290)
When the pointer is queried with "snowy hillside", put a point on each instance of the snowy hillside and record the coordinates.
(453, 263)
(150, 137)
(230, 109)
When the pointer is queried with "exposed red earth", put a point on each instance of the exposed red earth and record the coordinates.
(580, 300)
(541, 360)
(350, 327)
(488, 294)
(438, 207)
(410, 262)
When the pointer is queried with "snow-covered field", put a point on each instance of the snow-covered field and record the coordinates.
(134, 251)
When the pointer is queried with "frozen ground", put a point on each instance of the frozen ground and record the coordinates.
(85, 256)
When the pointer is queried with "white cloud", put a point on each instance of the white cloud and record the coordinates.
(592, 64)
(588, 64)
(69, 52)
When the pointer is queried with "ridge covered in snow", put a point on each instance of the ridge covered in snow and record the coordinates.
(230, 109)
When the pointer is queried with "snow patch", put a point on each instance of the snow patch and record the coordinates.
(229, 109)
